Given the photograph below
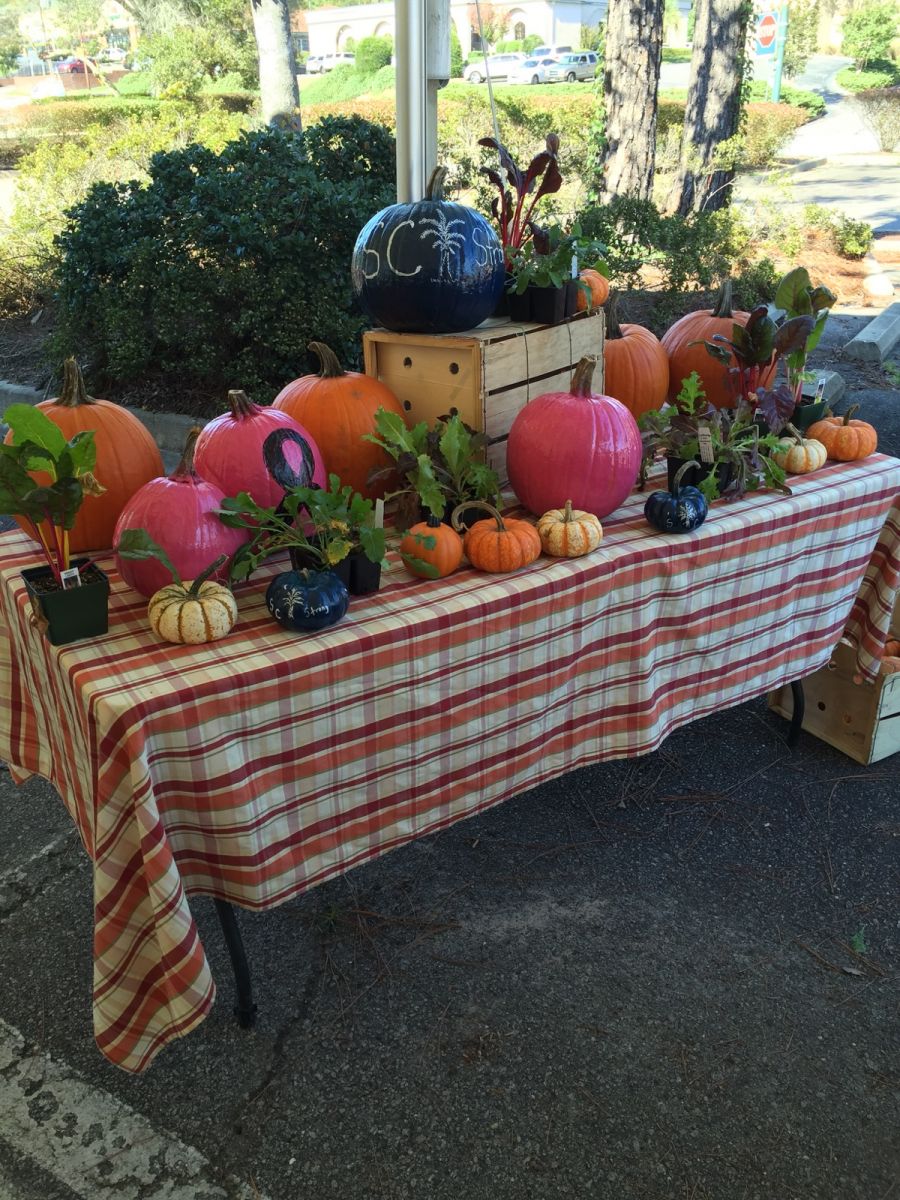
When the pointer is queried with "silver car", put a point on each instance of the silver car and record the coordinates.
(580, 64)
(532, 70)
(501, 66)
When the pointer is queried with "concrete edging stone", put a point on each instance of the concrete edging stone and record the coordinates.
(879, 337)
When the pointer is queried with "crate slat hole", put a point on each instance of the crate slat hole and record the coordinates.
(454, 368)
(407, 362)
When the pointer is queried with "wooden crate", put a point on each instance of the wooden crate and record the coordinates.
(860, 719)
(486, 374)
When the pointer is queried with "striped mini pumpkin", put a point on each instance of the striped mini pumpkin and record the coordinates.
(178, 615)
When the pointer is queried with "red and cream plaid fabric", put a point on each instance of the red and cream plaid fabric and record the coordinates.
(266, 763)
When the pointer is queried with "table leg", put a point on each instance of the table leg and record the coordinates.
(245, 1009)
(797, 713)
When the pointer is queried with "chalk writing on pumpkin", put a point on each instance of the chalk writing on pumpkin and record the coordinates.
(445, 238)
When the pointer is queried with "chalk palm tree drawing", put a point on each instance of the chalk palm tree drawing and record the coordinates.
(446, 239)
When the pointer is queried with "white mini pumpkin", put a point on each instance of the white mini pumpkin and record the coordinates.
(179, 615)
(799, 455)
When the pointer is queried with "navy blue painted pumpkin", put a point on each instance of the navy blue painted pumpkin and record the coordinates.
(305, 601)
(428, 267)
(679, 510)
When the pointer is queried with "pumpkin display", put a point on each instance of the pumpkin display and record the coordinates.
(799, 455)
(844, 438)
(499, 544)
(599, 290)
(679, 510)
(194, 612)
(338, 408)
(431, 562)
(258, 450)
(178, 512)
(683, 343)
(635, 365)
(127, 457)
(428, 267)
(574, 445)
(568, 533)
(306, 601)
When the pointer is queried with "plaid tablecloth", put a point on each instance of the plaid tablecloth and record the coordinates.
(266, 763)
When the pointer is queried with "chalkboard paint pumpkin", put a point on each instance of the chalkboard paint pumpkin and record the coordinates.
(680, 510)
(305, 601)
(428, 267)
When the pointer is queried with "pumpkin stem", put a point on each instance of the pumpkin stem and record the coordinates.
(613, 329)
(849, 413)
(329, 364)
(433, 522)
(795, 433)
(241, 405)
(73, 393)
(722, 306)
(185, 468)
(454, 516)
(680, 473)
(435, 188)
(195, 587)
(567, 512)
(584, 373)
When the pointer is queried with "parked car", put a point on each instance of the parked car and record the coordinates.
(330, 61)
(500, 66)
(550, 51)
(72, 66)
(582, 64)
(314, 64)
(112, 54)
(532, 70)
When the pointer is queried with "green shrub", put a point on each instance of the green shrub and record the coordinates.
(768, 129)
(880, 110)
(755, 283)
(811, 102)
(880, 74)
(343, 84)
(135, 83)
(456, 56)
(373, 53)
(674, 54)
(851, 238)
(867, 31)
(191, 55)
(218, 271)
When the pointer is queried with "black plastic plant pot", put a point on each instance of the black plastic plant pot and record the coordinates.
(573, 287)
(807, 414)
(695, 476)
(548, 305)
(358, 575)
(71, 613)
(519, 306)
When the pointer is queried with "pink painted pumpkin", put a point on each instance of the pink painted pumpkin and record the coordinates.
(576, 445)
(179, 513)
(258, 450)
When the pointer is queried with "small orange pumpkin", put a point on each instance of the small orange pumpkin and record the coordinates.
(498, 544)
(599, 290)
(431, 549)
(892, 648)
(844, 438)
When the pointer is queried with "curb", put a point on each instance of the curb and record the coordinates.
(804, 164)
(879, 337)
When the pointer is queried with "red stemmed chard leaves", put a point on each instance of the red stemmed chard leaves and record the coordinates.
(520, 191)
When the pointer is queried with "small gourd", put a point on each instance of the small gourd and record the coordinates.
(799, 455)
(306, 601)
(431, 549)
(844, 438)
(498, 545)
(569, 533)
(193, 612)
(680, 510)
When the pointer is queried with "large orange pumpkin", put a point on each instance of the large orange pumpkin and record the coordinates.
(635, 365)
(127, 457)
(683, 342)
(338, 407)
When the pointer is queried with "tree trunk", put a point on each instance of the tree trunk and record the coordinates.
(630, 86)
(713, 112)
(279, 94)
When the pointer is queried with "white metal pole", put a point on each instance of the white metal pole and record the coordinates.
(410, 90)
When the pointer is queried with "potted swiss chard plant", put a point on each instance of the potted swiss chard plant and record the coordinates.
(43, 480)
(543, 283)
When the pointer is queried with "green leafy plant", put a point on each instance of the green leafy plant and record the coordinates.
(858, 941)
(851, 238)
(548, 259)
(514, 208)
(867, 31)
(796, 297)
(326, 524)
(139, 545)
(441, 465)
(39, 445)
(734, 438)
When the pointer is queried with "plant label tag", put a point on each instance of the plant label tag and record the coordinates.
(820, 391)
(70, 578)
(704, 437)
(379, 513)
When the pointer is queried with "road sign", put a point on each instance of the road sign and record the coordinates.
(766, 33)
